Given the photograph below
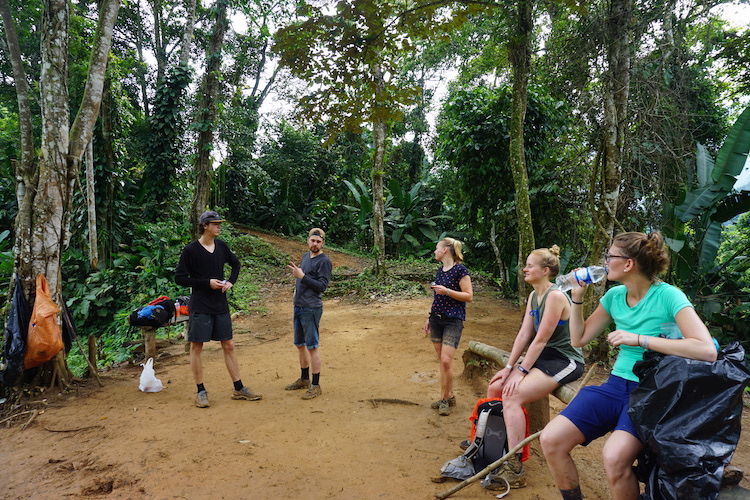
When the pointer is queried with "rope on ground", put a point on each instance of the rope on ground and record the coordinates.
(510, 453)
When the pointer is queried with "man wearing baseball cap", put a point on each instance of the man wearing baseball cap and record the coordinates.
(201, 267)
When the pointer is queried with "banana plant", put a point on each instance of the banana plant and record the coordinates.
(710, 203)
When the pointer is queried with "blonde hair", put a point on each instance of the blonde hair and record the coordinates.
(647, 250)
(455, 247)
(549, 257)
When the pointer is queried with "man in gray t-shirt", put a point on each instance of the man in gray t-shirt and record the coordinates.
(313, 275)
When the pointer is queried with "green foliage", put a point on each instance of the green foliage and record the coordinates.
(164, 154)
(6, 264)
(367, 287)
(142, 270)
(473, 148)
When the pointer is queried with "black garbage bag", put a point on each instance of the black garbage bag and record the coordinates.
(16, 328)
(688, 413)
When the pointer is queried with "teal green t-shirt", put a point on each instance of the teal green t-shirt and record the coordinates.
(660, 305)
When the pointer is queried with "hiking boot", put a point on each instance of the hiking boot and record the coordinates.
(451, 402)
(445, 408)
(300, 383)
(511, 472)
(246, 394)
(201, 400)
(313, 392)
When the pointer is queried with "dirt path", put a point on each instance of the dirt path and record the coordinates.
(119, 443)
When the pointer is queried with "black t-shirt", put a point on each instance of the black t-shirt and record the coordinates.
(198, 266)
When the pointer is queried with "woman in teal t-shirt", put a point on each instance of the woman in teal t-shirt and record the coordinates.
(638, 308)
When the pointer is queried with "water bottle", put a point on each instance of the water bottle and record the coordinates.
(586, 275)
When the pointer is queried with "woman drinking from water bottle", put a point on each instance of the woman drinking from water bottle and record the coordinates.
(638, 307)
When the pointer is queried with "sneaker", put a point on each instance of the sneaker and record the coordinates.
(464, 445)
(445, 408)
(511, 472)
(313, 392)
(451, 402)
(201, 400)
(300, 383)
(246, 394)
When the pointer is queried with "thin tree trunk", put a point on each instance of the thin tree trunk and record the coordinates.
(26, 173)
(378, 167)
(91, 207)
(520, 57)
(615, 123)
(207, 115)
(187, 36)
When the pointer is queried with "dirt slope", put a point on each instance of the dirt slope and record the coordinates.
(119, 443)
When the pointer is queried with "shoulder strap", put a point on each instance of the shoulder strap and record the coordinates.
(479, 435)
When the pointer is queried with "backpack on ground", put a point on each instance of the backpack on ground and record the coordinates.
(488, 443)
(157, 313)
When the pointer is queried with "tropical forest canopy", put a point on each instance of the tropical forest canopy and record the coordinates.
(510, 125)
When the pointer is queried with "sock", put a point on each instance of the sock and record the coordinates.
(305, 373)
(574, 494)
(238, 385)
(316, 379)
(201, 388)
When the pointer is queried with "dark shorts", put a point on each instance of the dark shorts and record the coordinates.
(599, 409)
(207, 327)
(445, 331)
(553, 363)
(306, 324)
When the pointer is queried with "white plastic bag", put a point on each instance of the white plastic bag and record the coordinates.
(149, 382)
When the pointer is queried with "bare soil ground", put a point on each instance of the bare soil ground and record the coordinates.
(370, 435)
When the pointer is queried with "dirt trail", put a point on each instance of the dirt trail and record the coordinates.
(119, 443)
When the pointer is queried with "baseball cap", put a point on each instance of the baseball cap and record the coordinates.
(210, 216)
(316, 231)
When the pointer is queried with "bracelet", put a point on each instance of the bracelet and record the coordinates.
(577, 303)
(447, 292)
(509, 366)
(639, 340)
(645, 342)
(523, 370)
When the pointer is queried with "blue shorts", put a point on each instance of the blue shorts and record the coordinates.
(445, 331)
(599, 409)
(207, 327)
(306, 323)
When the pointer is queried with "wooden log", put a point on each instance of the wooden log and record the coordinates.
(149, 341)
(93, 351)
(564, 393)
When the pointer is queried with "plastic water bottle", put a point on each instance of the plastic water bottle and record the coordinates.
(587, 275)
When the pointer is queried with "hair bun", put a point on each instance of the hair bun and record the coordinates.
(554, 250)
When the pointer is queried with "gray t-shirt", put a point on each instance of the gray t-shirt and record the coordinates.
(317, 275)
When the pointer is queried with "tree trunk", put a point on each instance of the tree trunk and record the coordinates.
(187, 36)
(207, 115)
(615, 124)
(520, 58)
(378, 167)
(41, 225)
(91, 207)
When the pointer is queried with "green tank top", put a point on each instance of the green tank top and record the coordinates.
(560, 339)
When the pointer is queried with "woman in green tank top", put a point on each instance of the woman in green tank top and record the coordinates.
(550, 360)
